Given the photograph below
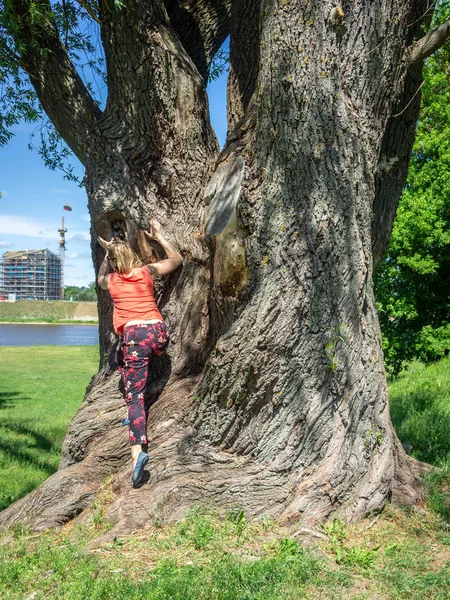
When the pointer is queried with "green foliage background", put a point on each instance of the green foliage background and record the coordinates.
(81, 294)
(412, 282)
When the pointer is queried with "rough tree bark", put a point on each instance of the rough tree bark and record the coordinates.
(273, 395)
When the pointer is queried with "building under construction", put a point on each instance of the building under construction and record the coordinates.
(31, 275)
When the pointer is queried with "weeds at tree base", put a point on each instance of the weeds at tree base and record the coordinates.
(402, 556)
(351, 556)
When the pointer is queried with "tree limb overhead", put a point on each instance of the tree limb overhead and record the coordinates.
(164, 82)
(429, 44)
(91, 10)
(201, 27)
(60, 89)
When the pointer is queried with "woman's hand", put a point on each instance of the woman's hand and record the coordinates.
(155, 230)
(174, 258)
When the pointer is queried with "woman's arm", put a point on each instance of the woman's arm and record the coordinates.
(174, 258)
(103, 275)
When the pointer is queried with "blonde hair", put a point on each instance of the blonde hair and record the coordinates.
(126, 259)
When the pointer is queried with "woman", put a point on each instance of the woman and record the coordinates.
(138, 320)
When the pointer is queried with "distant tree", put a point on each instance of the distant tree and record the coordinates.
(88, 294)
(71, 292)
(412, 282)
(81, 294)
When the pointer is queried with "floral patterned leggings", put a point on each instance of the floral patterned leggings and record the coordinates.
(140, 343)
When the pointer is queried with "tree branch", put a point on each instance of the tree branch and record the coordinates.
(397, 142)
(13, 57)
(139, 39)
(60, 89)
(201, 27)
(92, 12)
(244, 58)
(429, 44)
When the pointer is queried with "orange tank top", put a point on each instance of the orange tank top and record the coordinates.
(133, 297)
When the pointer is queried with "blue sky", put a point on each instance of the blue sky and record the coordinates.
(32, 200)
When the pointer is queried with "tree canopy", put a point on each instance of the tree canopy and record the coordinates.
(79, 32)
(412, 282)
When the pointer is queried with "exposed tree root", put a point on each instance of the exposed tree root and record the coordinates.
(184, 473)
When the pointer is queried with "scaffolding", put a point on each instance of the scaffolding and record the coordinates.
(31, 275)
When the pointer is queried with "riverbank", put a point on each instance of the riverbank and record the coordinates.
(49, 311)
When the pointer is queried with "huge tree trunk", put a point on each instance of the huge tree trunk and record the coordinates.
(273, 395)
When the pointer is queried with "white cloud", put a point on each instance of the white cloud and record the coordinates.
(80, 236)
(21, 226)
(73, 255)
(5, 244)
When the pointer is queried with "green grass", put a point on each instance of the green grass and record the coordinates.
(205, 557)
(404, 555)
(420, 410)
(47, 311)
(40, 390)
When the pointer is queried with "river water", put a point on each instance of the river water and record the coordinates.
(14, 334)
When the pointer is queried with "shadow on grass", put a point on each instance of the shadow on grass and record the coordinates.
(8, 399)
(34, 453)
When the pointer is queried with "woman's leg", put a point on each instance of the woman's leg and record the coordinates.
(140, 342)
(134, 375)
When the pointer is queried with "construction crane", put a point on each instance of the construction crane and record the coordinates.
(62, 253)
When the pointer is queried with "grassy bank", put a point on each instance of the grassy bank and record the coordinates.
(48, 321)
(420, 409)
(420, 412)
(40, 390)
(400, 556)
(51, 311)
